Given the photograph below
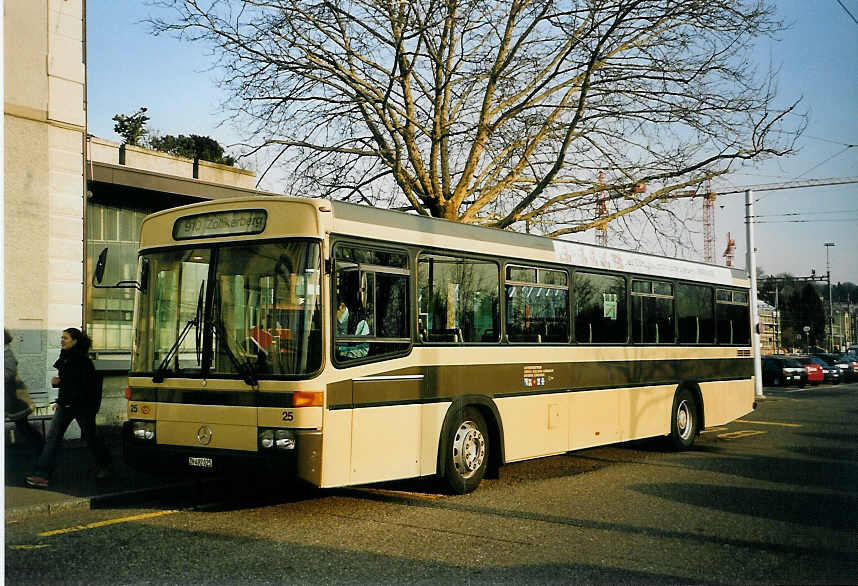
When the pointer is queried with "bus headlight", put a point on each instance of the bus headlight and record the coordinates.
(279, 439)
(284, 439)
(143, 430)
(266, 438)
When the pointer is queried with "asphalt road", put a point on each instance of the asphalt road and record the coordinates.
(772, 498)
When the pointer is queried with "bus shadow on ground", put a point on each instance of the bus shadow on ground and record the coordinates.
(800, 507)
(800, 472)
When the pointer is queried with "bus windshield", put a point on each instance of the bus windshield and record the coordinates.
(247, 311)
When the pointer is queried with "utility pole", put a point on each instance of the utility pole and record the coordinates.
(828, 246)
(752, 274)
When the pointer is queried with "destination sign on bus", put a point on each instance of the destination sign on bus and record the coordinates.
(227, 223)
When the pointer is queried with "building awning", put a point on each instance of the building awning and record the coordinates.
(118, 184)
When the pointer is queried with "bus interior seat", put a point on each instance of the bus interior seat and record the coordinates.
(525, 338)
(444, 335)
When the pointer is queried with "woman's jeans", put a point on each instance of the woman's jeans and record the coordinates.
(63, 417)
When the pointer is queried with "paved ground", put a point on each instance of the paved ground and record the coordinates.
(74, 484)
(768, 499)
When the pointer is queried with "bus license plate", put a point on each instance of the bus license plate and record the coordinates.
(200, 462)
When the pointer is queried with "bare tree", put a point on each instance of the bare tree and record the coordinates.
(504, 113)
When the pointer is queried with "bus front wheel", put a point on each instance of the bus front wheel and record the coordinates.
(683, 420)
(467, 451)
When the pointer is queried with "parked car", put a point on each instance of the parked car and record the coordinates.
(849, 366)
(830, 373)
(841, 362)
(782, 371)
(815, 374)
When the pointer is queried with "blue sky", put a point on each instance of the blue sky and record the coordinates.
(817, 58)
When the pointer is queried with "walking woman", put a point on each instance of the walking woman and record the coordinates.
(76, 401)
(17, 408)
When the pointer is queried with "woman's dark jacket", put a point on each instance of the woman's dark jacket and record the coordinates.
(77, 379)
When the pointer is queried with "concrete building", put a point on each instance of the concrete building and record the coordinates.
(67, 195)
(770, 328)
(45, 129)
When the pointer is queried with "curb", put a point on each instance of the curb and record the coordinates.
(119, 498)
(46, 509)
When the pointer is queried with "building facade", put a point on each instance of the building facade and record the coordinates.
(68, 195)
(843, 323)
(770, 328)
(45, 129)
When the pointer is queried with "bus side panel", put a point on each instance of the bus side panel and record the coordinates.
(432, 420)
(645, 411)
(727, 400)
(336, 448)
(534, 426)
(385, 443)
(595, 418)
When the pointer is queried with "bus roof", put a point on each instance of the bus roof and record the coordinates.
(409, 228)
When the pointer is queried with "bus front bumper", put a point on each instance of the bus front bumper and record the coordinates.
(156, 458)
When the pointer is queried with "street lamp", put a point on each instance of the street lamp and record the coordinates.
(828, 246)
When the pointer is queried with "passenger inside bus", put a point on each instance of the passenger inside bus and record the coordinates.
(361, 329)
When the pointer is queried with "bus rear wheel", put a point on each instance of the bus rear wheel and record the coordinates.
(683, 420)
(467, 451)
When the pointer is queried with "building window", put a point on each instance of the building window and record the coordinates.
(109, 312)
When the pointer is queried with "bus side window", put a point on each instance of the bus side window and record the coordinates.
(732, 317)
(459, 299)
(537, 307)
(600, 308)
(371, 302)
(695, 313)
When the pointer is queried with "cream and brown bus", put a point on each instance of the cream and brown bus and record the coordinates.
(353, 345)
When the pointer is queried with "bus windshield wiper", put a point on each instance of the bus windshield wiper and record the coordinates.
(158, 377)
(244, 367)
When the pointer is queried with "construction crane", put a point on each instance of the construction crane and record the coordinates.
(602, 210)
(730, 252)
(709, 205)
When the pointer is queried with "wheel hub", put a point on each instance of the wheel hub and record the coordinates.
(684, 420)
(469, 449)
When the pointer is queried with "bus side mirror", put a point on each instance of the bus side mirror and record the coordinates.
(98, 273)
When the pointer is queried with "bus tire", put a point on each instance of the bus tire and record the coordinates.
(684, 421)
(467, 451)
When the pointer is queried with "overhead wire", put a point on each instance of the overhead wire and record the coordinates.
(804, 213)
(804, 221)
(837, 154)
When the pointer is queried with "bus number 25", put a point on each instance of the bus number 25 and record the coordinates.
(287, 416)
